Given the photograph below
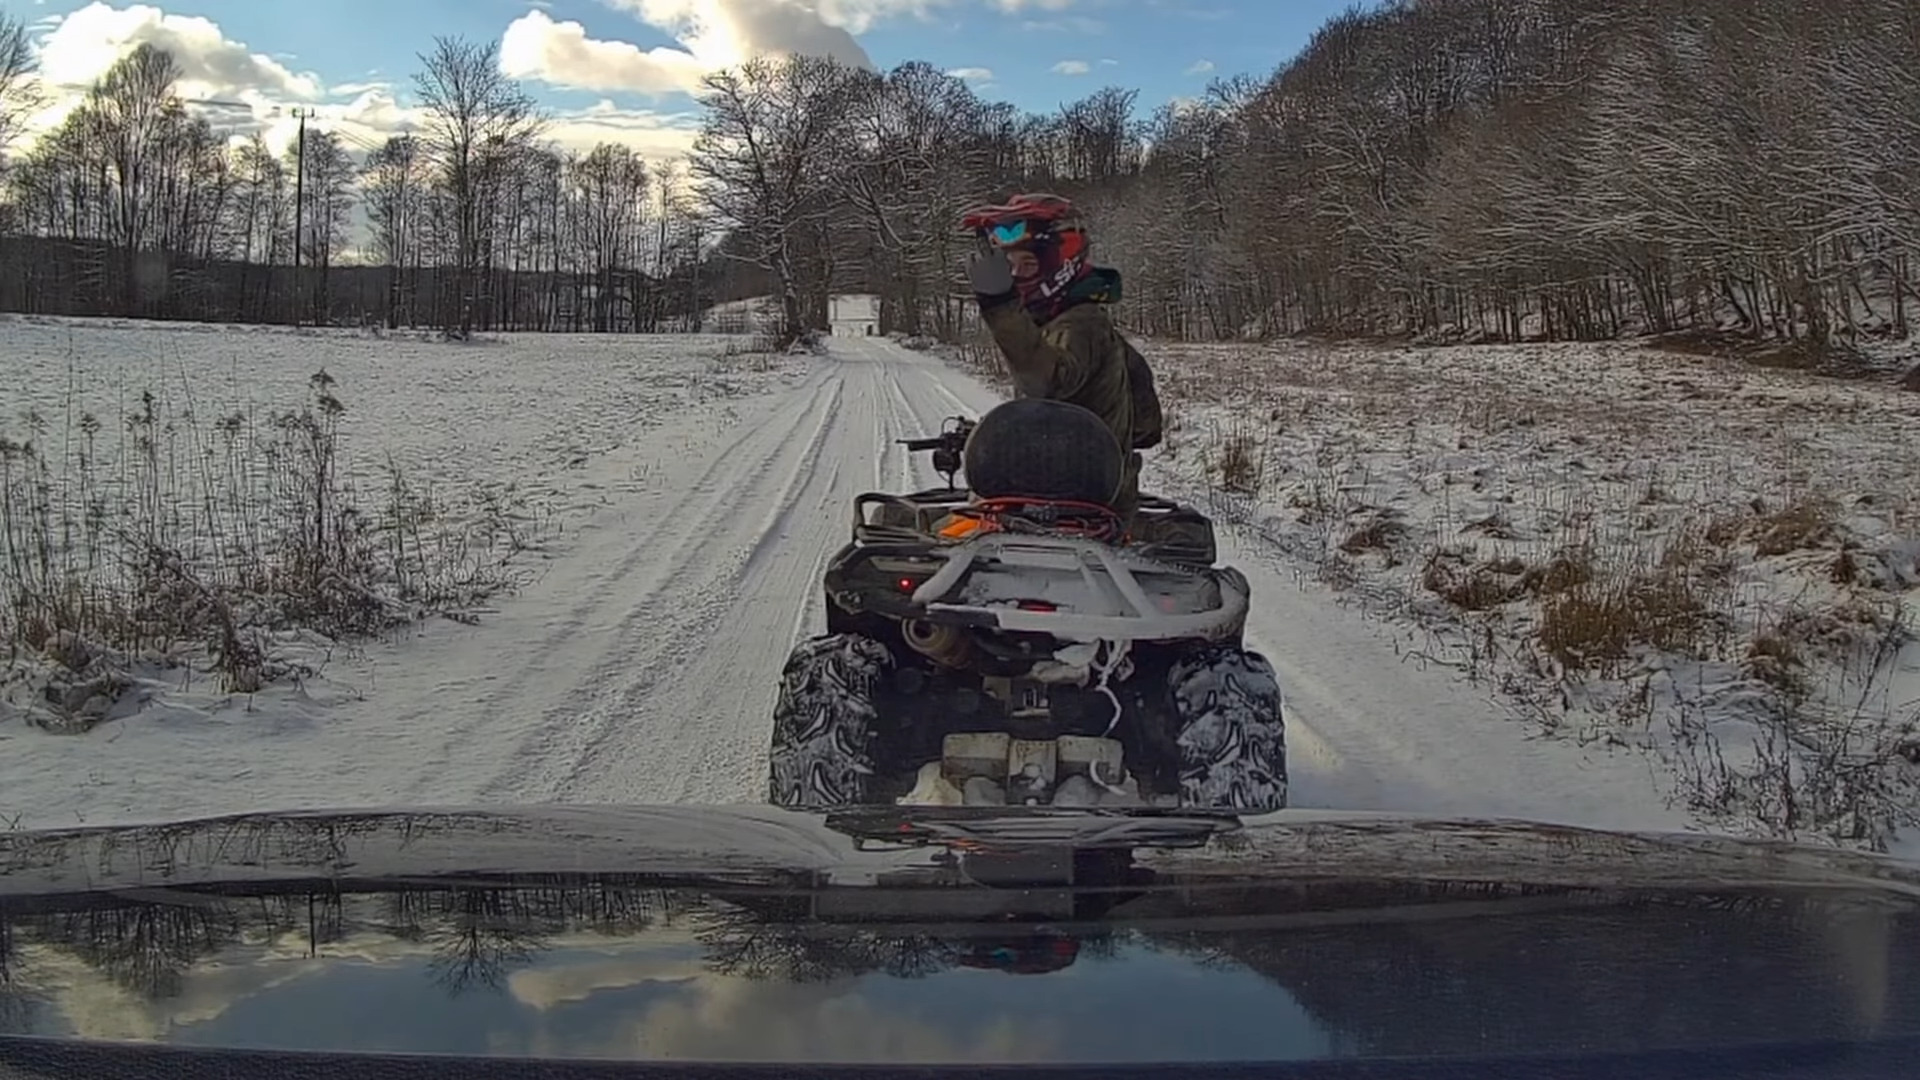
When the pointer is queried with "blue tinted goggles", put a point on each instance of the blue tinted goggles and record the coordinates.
(1011, 233)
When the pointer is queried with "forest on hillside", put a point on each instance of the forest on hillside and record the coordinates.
(1490, 169)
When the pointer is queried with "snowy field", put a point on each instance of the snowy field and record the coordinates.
(531, 411)
(681, 502)
(1713, 562)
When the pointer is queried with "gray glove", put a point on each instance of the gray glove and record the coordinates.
(991, 274)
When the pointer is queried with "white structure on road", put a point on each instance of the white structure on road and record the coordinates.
(854, 316)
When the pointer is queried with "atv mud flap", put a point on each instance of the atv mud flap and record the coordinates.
(1091, 592)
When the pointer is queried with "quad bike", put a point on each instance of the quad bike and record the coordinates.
(1011, 642)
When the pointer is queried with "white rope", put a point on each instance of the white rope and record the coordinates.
(1115, 658)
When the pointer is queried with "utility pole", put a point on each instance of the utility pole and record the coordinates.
(299, 204)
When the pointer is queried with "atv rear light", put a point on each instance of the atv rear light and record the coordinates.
(1037, 605)
(908, 584)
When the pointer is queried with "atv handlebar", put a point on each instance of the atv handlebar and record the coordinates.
(948, 447)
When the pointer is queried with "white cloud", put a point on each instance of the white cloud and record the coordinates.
(973, 74)
(80, 47)
(709, 35)
(714, 34)
(858, 16)
(722, 33)
(375, 115)
(561, 54)
(656, 135)
(1200, 67)
(1071, 67)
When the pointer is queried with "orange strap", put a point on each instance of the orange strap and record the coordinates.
(963, 527)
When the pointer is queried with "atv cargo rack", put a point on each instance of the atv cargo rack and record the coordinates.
(1086, 591)
(1168, 532)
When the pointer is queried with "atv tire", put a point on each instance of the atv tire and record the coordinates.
(823, 723)
(1232, 731)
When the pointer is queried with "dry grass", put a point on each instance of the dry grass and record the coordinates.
(1595, 627)
(186, 540)
(1806, 525)
(1381, 534)
(759, 350)
(1474, 587)
(1775, 660)
(1241, 466)
(1803, 356)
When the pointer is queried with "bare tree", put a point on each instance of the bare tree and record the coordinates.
(327, 189)
(769, 153)
(127, 110)
(19, 94)
(475, 116)
(608, 189)
(394, 188)
(921, 161)
(259, 223)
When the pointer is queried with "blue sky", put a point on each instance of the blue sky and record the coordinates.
(620, 68)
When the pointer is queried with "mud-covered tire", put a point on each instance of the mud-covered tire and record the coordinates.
(1232, 731)
(821, 756)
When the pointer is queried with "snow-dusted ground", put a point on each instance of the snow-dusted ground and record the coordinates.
(640, 666)
(1510, 513)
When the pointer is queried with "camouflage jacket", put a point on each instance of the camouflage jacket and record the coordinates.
(1079, 356)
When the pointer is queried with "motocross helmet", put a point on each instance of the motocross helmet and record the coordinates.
(1048, 227)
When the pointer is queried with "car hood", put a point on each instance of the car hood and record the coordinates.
(748, 934)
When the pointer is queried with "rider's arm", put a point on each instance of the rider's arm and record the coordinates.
(1051, 361)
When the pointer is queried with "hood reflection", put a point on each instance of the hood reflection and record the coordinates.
(645, 967)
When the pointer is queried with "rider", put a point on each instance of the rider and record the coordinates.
(1043, 300)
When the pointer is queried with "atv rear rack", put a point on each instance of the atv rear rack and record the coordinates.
(1108, 573)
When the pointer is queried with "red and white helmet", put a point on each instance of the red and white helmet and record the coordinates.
(1049, 227)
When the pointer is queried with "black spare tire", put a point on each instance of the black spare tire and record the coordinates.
(1033, 448)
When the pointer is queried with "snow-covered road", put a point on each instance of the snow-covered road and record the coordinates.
(641, 667)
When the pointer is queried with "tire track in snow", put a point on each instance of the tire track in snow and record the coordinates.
(586, 617)
(906, 424)
(585, 746)
(733, 683)
(700, 731)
